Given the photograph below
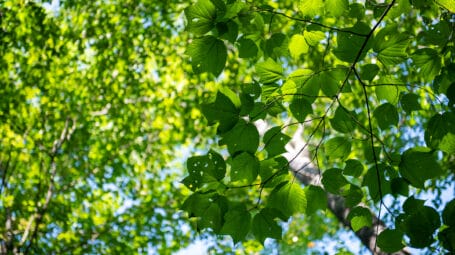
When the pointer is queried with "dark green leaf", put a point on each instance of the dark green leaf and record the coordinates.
(242, 137)
(277, 46)
(375, 177)
(390, 240)
(264, 225)
(418, 165)
(208, 54)
(369, 71)
(333, 180)
(386, 115)
(316, 199)
(349, 44)
(237, 223)
(410, 102)
(343, 121)
(300, 108)
(399, 186)
(420, 225)
(245, 168)
(352, 196)
(353, 168)
(448, 215)
(247, 104)
(222, 111)
(275, 141)
(447, 238)
(247, 48)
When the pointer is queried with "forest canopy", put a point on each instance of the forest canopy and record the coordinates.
(140, 127)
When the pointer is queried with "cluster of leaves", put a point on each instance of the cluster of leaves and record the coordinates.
(361, 78)
(89, 121)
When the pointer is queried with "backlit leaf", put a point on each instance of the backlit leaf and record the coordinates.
(269, 71)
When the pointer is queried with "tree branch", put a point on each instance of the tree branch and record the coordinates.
(37, 217)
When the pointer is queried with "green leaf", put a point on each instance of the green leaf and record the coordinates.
(440, 132)
(245, 168)
(289, 198)
(336, 7)
(391, 46)
(399, 186)
(316, 199)
(300, 108)
(342, 121)
(436, 34)
(369, 71)
(222, 111)
(360, 217)
(208, 208)
(237, 223)
(337, 148)
(448, 4)
(228, 30)
(247, 48)
(264, 225)
(313, 37)
(352, 196)
(298, 46)
(277, 46)
(427, 63)
(418, 165)
(353, 168)
(201, 17)
(331, 81)
(333, 180)
(275, 141)
(208, 54)
(386, 115)
(311, 8)
(390, 240)
(447, 238)
(247, 104)
(349, 44)
(448, 215)
(269, 71)
(274, 171)
(402, 7)
(371, 181)
(204, 169)
(420, 225)
(389, 93)
(410, 102)
(242, 137)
